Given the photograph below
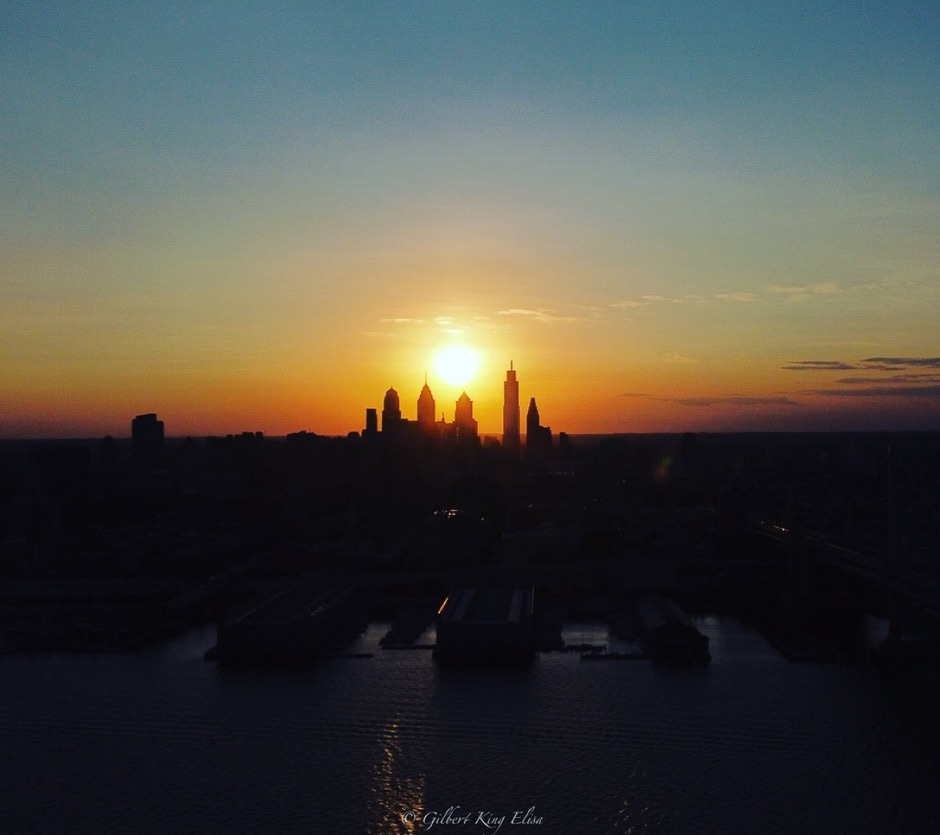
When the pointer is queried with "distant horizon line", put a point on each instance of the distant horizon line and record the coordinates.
(484, 435)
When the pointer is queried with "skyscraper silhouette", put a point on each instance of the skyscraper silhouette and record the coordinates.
(391, 412)
(147, 440)
(538, 439)
(532, 421)
(463, 417)
(426, 407)
(511, 409)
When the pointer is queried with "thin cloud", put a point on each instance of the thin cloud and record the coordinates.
(892, 383)
(901, 363)
(799, 293)
(402, 321)
(881, 391)
(889, 364)
(689, 297)
(819, 365)
(737, 297)
(735, 400)
(895, 380)
(655, 298)
(543, 315)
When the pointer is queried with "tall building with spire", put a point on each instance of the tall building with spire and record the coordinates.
(511, 409)
(426, 407)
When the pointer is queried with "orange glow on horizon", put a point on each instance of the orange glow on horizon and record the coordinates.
(328, 391)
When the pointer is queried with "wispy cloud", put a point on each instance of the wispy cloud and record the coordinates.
(881, 391)
(544, 315)
(656, 298)
(627, 304)
(737, 297)
(452, 325)
(900, 363)
(898, 377)
(799, 293)
(819, 365)
(736, 401)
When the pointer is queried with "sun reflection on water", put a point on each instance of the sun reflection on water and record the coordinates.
(397, 797)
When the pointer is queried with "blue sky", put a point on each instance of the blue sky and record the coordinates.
(207, 205)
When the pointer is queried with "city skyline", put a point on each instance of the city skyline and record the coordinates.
(394, 421)
(675, 219)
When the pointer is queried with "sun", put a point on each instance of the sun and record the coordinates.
(456, 365)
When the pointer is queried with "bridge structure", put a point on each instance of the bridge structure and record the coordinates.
(910, 596)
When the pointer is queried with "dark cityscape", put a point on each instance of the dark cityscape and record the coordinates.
(476, 557)
(469, 418)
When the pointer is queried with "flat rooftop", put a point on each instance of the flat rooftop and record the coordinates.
(489, 605)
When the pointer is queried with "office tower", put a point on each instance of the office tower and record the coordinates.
(463, 417)
(511, 409)
(147, 439)
(538, 440)
(426, 407)
(391, 412)
(372, 422)
(532, 421)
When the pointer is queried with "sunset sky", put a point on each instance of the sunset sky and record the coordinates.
(669, 215)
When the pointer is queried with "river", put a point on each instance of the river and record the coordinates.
(162, 740)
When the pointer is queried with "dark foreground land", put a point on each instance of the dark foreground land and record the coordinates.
(102, 550)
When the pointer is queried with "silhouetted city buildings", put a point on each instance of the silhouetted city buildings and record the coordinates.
(147, 440)
(466, 425)
(464, 430)
(727, 518)
(538, 439)
(511, 410)
(426, 408)
(402, 432)
(372, 422)
(391, 413)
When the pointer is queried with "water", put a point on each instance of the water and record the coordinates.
(163, 741)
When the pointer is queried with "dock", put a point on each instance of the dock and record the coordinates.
(487, 625)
